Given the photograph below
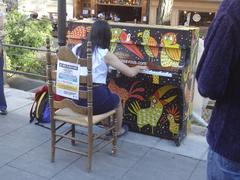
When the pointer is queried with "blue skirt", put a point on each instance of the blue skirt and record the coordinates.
(103, 100)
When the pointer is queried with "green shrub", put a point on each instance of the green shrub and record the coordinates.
(22, 30)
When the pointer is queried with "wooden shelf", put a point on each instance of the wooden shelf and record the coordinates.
(122, 5)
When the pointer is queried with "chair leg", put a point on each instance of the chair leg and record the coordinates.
(73, 135)
(90, 149)
(53, 140)
(114, 141)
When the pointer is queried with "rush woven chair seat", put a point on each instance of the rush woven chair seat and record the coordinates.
(69, 116)
(67, 111)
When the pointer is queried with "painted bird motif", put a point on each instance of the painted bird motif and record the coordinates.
(152, 114)
(150, 44)
(126, 94)
(115, 38)
(171, 52)
(120, 36)
(173, 117)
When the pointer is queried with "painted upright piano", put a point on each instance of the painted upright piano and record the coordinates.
(158, 101)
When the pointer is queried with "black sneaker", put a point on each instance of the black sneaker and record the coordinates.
(3, 112)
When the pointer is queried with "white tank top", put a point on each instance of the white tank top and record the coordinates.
(99, 67)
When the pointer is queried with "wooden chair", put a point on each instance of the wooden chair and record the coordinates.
(70, 113)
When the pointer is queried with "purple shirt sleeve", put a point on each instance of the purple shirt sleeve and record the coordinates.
(213, 70)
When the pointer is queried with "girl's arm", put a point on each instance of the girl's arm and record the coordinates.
(113, 61)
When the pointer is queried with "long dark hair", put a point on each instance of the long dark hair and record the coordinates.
(100, 35)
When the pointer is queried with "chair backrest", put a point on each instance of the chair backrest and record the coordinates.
(85, 86)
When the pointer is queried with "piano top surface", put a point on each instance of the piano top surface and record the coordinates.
(182, 28)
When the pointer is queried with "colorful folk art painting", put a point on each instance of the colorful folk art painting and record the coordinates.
(173, 117)
(143, 46)
(125, 94)
(165, 53)
(149, 43)
(148, 108)
(120, 36)
(152, 114)
(156, 79)
(171, 52)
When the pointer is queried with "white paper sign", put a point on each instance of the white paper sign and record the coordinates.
(67, 82)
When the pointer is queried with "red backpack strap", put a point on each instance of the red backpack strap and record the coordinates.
(40, 90)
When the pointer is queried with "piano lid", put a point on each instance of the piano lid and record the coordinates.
(79, 29)
(158, 47)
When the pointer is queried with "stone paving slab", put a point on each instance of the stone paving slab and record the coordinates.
(19, 142)
(204, 158)
(17, 99)
(141, 139)
(105, 166)
(14, 120)
(193, 146)
(200, 171)
(162, 165)
(10, 173)
(37, 161)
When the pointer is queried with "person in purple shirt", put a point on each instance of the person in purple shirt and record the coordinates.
(218, 76)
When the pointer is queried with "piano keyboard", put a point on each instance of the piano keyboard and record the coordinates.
(150, 72)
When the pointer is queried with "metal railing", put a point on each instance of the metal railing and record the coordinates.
(3, 47)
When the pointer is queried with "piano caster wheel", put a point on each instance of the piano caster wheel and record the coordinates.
(177, 141)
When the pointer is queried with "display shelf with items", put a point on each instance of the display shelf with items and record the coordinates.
(122, 11)
(84, 8)
(123, 5)
(116, 10)
(198, 13)
(199, 19)
(134, 3)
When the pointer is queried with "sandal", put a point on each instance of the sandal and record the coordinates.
(124, 131)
